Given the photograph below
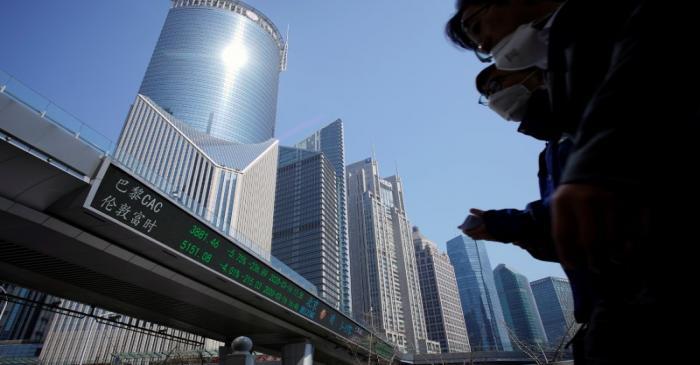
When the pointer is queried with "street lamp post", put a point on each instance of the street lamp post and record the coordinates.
(109, 315)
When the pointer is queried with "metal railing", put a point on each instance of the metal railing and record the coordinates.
(24, 95)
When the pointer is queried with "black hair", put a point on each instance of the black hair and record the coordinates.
(484, 76)
(454, 27)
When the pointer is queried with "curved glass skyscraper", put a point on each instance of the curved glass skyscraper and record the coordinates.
(216, 67)
(518, 304)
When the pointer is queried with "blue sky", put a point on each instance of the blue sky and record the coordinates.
(382, 66)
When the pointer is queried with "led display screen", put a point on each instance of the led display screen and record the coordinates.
(129, 202)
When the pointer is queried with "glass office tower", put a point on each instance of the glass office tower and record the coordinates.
(305, 229)
(24, 321)
(518, 304)
(331, 141)
(477, 291)
(556, 306)
(216, 67)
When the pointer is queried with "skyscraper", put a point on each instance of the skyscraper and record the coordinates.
(383, 261)
(201, 128)
(331, 141)
(556, 306)
(58, 331)
(443, 309)
(519, 308)
(216, 67)
(25, 321)
(228, 184)
(305, 230)
(99, 340)
(477, 291)
(200, 131)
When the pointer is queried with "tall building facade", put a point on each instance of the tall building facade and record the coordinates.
(201, 131)
(216, 67)
(519, 308)
(52, 330)
(228, 184)
(202, 126)
(477, 291)
(555, 304)
(108, 336)
(25, 320)
(443, 309)
(383, 262)
(305, 229)
(331, 141)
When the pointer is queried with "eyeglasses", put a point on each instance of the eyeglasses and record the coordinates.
(482, 56)
(471, 27)
(492, 86)
(496, 84)
(483, 100)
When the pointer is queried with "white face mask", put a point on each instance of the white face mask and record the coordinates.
(525, 47)
(511, 102)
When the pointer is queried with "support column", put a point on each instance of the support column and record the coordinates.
(301, 353)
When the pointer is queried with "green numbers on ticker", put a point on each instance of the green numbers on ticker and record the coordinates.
(206, 257)
(199, 232)
(211, 249)
(215, 243)
(190, 248)
(196, 251)
(164, 222)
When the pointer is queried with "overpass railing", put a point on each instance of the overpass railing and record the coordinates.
(24, 95)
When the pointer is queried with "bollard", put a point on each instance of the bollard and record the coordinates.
(241, 355)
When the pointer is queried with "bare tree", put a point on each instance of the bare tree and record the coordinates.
(527, 348)
(371, 346)
(395, 353)
(571, 330)
(536, 352)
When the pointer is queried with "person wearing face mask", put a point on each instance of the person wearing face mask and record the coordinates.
(512, 33)
(621, 210)
(519, 96)
(509, 100)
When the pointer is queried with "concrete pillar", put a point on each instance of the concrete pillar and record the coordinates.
(241, 355)
(301, 353)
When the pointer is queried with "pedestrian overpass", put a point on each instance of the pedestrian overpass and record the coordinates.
(62, 233)
(58, 235)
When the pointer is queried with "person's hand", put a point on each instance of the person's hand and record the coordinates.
(586, 226)
(479, 232)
